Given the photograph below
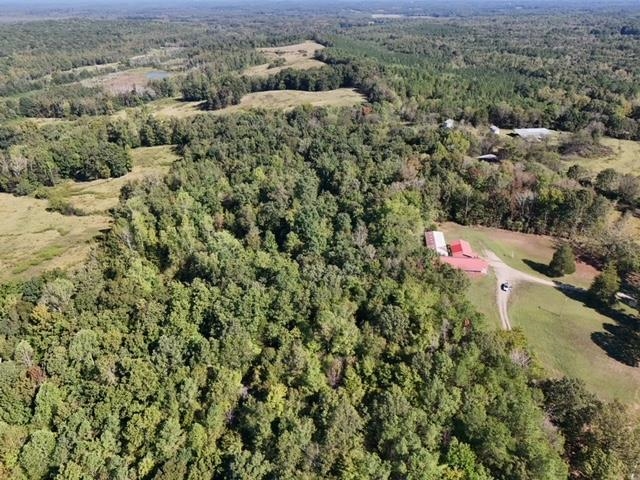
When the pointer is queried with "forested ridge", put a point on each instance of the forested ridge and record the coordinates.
(268, 309)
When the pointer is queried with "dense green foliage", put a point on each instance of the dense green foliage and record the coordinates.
(508, 70)
(563, 261)
(600, 439)
(34, 157)
(605, 286)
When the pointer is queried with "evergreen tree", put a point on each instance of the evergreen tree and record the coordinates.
(563, 261)
(605, 286)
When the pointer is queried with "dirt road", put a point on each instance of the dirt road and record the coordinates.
(505, 273)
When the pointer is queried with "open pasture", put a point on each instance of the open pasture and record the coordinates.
(289, 99)
(34, 239)
(124, 81)
(624, 157)
(273, 99)
(99, 196)
(298, 57)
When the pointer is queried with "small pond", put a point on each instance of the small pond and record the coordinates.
(158, 75)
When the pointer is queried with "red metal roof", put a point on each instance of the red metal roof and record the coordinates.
(472, 265)
(461, 248)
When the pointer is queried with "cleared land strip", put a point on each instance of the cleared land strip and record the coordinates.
(271, 99)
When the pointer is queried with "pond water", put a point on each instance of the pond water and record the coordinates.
(158, 75)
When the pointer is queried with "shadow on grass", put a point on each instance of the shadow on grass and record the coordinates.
(538, 267)
(620, 340)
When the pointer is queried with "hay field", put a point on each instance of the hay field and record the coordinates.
(99, 196)
(121, 82)
(172, 108)
(33, 239)
(298, 57)
(272, 99)
(625, 157)
(289, 99)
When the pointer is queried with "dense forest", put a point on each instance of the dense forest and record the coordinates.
(268, 310)
(562, 71)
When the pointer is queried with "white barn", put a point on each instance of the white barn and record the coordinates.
(435, 241)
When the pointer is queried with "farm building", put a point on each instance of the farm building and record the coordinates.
(468, 265)
(435, 241)
(461, 248)
(532, 133)
(462, 255)
(489, 157)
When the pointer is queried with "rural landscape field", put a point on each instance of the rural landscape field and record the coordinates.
(312, 241)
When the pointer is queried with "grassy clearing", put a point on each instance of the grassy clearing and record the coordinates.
(99, 196)
(482, 294)
(625, 157)
(289, 99)
(559, 331)
(121, 82)
(298, 57)
(172, 108)
(273, 99)
(33, 239)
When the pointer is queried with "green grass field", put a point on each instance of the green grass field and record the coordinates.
(625, 157)
(558, 329)
(34, 239)
(482, 294)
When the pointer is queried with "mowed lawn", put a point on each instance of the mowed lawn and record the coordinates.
(559, 331)
(34, 239)
(558, 328)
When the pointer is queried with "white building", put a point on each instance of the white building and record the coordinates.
(435, 241)
(532, 133)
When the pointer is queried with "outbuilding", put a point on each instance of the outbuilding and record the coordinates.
(489, 157)
(461, 248)
(435, 241)
(532, 133)
(468, 265)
